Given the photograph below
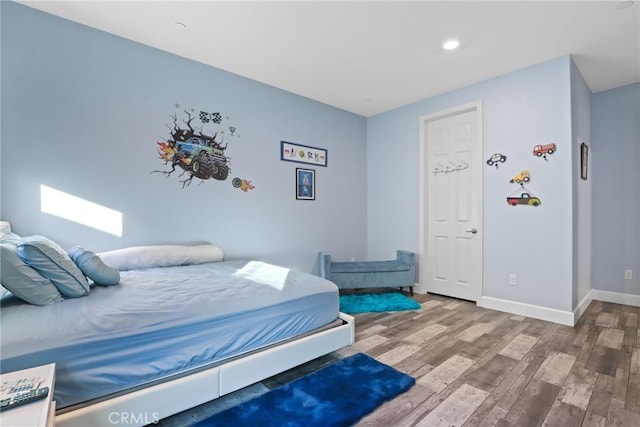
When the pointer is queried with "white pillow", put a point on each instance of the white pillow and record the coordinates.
(161, 256)
(5, 228)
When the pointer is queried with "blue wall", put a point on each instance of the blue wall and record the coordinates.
(83, 110)
(521, 109)
(582, 208)
(616, 189)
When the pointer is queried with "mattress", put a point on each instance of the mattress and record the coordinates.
(159, 322)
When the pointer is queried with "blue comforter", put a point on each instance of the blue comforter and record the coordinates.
(159, 322)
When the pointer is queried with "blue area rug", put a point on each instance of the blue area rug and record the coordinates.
(336, 395)
(366, 303)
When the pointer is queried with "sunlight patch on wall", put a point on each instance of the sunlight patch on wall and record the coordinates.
(79, 210)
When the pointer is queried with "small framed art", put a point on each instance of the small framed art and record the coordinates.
(305, 184)
(584, 160)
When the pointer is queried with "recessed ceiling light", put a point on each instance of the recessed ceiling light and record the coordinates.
(451, 44)
(180, 24)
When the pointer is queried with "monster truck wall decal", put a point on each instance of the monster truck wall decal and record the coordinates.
(197, 151)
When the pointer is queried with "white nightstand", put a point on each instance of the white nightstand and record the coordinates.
(35, 414)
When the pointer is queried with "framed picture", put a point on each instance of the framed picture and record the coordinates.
(584, 160)
(291, 152)
(305, 184)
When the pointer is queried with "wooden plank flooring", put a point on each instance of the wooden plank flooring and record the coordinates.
(479, 367)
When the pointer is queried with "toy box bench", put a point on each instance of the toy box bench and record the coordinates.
(400, 272)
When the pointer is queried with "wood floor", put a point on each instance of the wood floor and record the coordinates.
(479, 367)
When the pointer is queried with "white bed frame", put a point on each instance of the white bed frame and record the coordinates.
(159, 401)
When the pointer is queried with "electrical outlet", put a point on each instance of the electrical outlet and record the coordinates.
(513, 279)
(628, 274)
(353, 259)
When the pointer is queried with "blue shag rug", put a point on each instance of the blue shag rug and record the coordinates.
(366, 303)
(336, 395)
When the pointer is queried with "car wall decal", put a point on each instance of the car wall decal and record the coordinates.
(522, 196)
(496, 159)
(521, 178)
(199, 149)
(450, 167)
(544, 150)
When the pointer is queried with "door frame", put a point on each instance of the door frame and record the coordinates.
(423, 185)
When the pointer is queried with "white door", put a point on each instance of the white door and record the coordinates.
(453, 173)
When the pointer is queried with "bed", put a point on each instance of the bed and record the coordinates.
(166, 339)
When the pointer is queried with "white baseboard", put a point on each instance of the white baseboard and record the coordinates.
(419, 288)
(615, 297)
(582, 307)
(528, 310)
(559, 316)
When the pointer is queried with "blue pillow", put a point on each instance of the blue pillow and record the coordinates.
(52, 262)
(93, 267)
(23, 281)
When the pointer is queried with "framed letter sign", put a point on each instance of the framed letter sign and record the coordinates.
(303, 154)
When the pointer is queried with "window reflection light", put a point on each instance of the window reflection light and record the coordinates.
(81, 211)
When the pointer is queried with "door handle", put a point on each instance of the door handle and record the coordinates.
(472, 231)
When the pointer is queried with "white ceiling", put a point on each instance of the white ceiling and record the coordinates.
(370, 57)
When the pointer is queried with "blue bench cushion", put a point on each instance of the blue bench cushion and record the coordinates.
(370, 274)
(369, 267)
